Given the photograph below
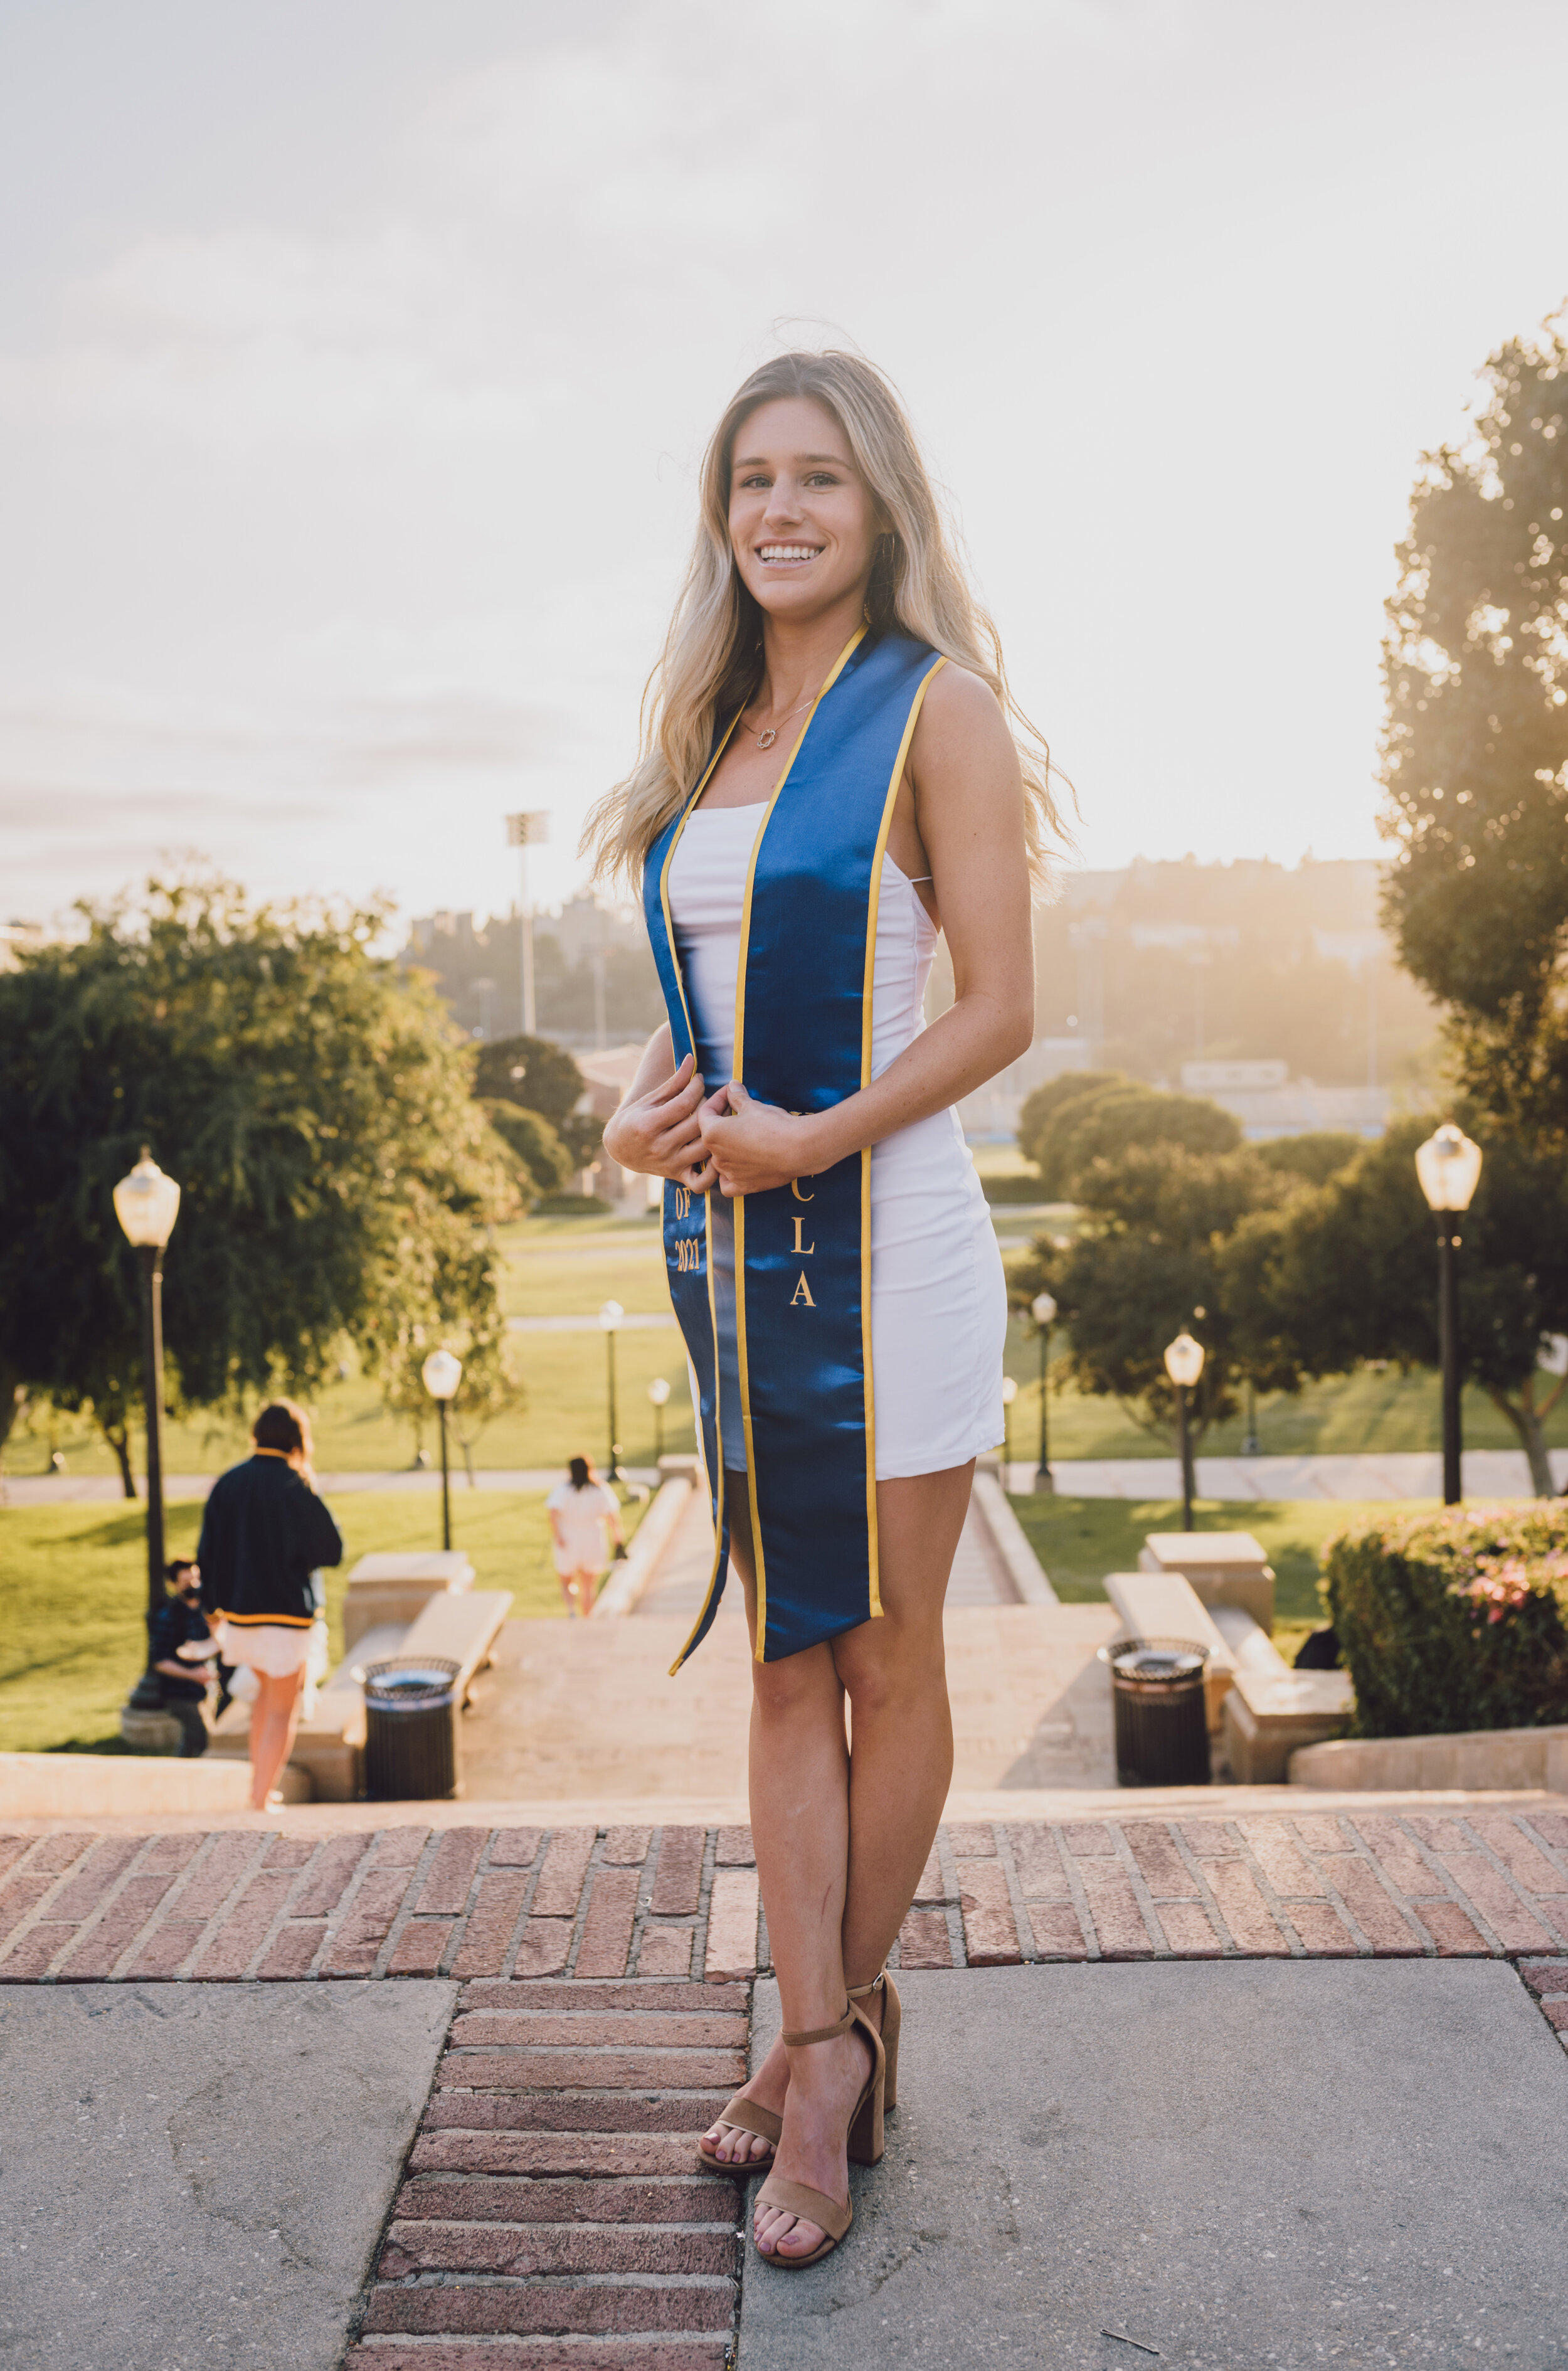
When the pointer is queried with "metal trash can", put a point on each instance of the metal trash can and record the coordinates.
(410, 1742)
(1156, 1688)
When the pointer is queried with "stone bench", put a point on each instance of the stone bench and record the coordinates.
(1223, 1568)
(329, 1745)
(398, 1588)
(1270, 1714)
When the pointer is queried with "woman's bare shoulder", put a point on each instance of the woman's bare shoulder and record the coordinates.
(962, 720)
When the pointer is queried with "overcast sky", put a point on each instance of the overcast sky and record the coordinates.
(356, 357)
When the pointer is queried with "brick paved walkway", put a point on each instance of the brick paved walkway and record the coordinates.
(682, 1902)
(604, 2014)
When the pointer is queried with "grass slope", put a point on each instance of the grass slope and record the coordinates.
(1078, 1541)
(75, 1584)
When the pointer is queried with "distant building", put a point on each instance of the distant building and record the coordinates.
(594, 976)
(16, 936)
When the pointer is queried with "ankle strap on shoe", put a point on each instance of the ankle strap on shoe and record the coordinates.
(822, 2032)
(859, 1992)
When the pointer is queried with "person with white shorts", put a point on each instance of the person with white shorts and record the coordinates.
(581, 1510)
(263, 1534)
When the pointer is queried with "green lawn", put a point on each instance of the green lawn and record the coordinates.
(74, 1582)
(562, 1267)
(1078, 1541)
(1344, 1414)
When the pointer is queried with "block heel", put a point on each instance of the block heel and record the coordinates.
(893, 2020)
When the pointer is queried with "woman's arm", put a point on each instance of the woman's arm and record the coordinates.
(969, 808)
(655, 1132)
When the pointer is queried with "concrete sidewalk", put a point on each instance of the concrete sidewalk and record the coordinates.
(196, 2174)
(1250, 2089)
(1487, 1472)
(1394, 1474)
(1233, 2167)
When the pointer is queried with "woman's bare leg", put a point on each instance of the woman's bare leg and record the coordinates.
(894, 1674)
(273, 1720)
(893, 1671)
(823, 1726)
(800, 1799)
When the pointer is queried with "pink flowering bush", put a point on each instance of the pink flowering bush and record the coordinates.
(1454, 1621)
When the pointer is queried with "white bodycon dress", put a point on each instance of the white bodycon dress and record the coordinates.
(939, 1300)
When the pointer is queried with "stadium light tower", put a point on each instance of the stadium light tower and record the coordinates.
(523, 832)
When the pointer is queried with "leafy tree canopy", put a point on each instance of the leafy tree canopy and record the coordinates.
(1147, 1264)
(1476, 738)
(1315, 1154)
(544, 1162)
(1041, 1108)
(1346, 1272)
(314, 1105)
(1110, 1116)
(532, 1071)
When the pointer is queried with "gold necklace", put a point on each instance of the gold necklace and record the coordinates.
(765, 739)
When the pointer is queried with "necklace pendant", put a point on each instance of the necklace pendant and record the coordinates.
(766, 740)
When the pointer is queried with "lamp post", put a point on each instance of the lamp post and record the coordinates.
(1043, 1309)
(610, 1316)
(1009, 1393)
(658, 1393)
(146, 1204)
(1448, 1166)
(441, 1375)
(1184, 1364)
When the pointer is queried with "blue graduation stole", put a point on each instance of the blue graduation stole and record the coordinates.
(804, 1251)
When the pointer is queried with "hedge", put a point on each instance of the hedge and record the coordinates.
(1454, 1621)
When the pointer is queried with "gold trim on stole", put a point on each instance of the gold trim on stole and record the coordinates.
(740, 1200)
(874, 1571)
(718, 1493)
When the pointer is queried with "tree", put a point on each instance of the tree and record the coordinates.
(1042, 1109)
(312, 1102)
(1316, 1155)
(1108, 1117)
(1346, 1272)
(543, 1160)
(542, 1078)
(532, 1071)
(1147, 1264)
(1476, 739)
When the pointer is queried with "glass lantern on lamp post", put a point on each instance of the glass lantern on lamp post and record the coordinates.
(1449, 1167)
(441, 1375)
(610, 1316)
(1043, 1309)
(146, 1204)
(659, 1395)
(1184, 1364)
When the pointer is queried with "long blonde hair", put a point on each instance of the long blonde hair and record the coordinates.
(711, 663)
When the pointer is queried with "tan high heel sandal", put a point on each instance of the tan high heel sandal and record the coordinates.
(893, 2020)
(864, 2145)
(747, 2117)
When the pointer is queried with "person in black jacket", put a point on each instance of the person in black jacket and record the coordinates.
(263, 1535)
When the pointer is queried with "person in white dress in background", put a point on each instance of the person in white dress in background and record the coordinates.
(583, 1510)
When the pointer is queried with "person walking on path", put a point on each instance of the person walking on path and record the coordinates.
(583, 1510)
(263, 1535)
(182, 1644)
(833, 772)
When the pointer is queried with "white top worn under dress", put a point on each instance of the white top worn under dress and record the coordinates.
(939, 1300)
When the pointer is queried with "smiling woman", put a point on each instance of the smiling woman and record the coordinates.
(829, 781)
